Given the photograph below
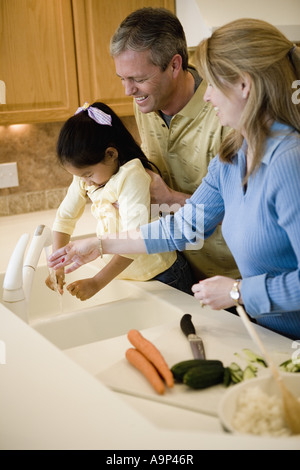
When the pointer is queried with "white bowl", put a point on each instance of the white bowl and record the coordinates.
(228, 404)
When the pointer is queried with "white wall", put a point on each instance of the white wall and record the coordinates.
(200, 17)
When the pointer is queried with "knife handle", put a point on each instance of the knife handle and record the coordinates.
(187, 325)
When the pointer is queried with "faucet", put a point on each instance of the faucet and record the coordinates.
(18, 279)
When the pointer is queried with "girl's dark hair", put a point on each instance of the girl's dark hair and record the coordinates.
(82, 141)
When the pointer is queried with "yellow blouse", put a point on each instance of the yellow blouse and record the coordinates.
(122, 204)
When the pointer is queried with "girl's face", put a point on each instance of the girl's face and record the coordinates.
(229, 107)
(99, 174)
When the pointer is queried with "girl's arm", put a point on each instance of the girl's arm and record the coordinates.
(83, 289)
(116, 265)
(60, 239)
(68, 213)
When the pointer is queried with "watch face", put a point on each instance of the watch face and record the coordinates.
(235, 295)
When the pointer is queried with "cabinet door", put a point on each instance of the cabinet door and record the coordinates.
(37, 60)
(95, 22)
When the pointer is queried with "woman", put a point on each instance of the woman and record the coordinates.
(252, 185)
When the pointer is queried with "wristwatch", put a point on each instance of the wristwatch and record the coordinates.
(235, 293)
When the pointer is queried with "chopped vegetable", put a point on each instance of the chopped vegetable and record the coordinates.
(248, 373)
(290, 366)
(253, 357)
(236, 373)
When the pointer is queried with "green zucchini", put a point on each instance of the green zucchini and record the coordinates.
(248, 373)
(227, 377)
(236, 373)
(180, 369)
(290, 366)
(203, 377)
(253, 357)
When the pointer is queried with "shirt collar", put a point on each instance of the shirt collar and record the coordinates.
(279, 132)
(192, 109)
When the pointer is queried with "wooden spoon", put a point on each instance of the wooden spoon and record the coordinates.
(291, 404)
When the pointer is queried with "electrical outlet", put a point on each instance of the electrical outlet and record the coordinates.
(2, 92)
(8, 175)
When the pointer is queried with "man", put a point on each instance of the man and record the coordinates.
(180, 133)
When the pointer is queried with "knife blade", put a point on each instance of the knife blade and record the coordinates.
(195, 341)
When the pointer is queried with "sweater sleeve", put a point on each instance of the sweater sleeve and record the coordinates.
(71, 208)
(191, 224)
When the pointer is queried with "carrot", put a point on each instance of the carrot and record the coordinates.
(148, 370)
(152, 354)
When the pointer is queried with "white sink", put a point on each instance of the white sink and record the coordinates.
(68, 322)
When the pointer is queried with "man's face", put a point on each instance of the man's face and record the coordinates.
(150, 87)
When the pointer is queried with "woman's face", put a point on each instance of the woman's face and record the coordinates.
(99, 174)
(230, 106)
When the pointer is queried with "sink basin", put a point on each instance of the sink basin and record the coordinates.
(121, 305)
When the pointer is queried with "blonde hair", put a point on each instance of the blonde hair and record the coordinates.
(258, 49)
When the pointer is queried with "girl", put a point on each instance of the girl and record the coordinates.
(108, 167)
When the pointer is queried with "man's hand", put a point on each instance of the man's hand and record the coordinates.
(161, 193)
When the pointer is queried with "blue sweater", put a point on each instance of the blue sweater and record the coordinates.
(260, 224)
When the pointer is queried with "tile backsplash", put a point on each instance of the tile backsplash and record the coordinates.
(42, 181)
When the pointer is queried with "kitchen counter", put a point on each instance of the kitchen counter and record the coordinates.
(53, 400)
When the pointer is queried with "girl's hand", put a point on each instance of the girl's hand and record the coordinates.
(215, 292)
(56, 280)
(76, 254)
(84, 289)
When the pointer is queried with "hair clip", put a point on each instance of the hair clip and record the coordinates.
(291, 51)
(96, 114)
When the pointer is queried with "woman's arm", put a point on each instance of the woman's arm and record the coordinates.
(83, 251)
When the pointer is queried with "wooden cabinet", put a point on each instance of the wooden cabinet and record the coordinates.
(54, 55)
(37, 60)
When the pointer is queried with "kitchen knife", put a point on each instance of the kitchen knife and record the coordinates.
(194, 340)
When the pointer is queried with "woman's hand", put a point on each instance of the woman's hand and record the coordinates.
(215, 292)
(76, 254)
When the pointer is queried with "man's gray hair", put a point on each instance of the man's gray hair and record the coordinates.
(154, 29)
